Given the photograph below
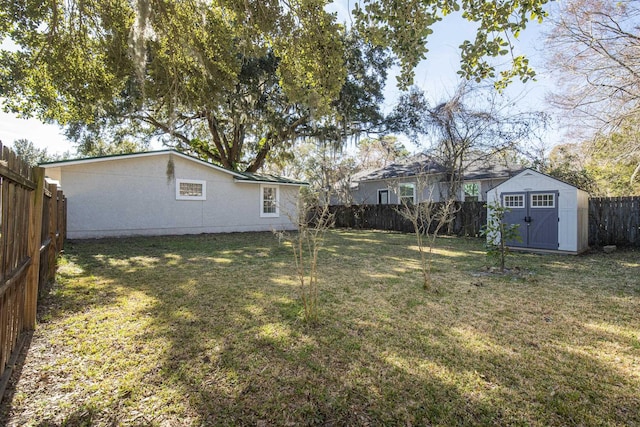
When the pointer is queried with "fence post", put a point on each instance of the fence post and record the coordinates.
(35, 231)
(59, 222)
(52, 250)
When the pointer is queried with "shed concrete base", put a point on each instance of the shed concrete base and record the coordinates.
(546, 251)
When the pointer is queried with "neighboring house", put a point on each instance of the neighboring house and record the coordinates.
(167, 192)
(420, 178)
(550, 213)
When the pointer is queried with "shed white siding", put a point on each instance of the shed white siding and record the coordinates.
(573, 206)
(137, 196)
(582, 243)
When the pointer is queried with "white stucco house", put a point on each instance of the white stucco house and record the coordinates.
(167, 192)
(420, 178)
(552, 215)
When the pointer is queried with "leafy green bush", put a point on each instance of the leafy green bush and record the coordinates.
(498, 233)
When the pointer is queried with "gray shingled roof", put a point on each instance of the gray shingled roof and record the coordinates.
(414, 165)
(493, 168)
(423, 164)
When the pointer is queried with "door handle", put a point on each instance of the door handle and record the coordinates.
(527, 219)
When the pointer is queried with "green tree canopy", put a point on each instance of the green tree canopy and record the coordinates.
(187, 70)
(567, 163)
(31, 154)
(233, 81)
(614, 161)
(405, 26)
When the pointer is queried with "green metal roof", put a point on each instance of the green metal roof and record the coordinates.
(271, 178)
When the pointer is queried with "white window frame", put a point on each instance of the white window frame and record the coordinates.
(179, 196)
(551, 206)
(476, 183)
(406, 184)
(264, 214)
(510, 203)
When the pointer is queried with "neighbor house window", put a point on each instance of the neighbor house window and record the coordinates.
(471, 192)
(269, 196)
(513, 201)
(191, 189)
(383, 197)
(407, 193)
(543, 200)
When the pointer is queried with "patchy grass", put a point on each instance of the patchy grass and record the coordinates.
(207, 329)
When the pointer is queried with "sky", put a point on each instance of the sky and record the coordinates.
(42, 135)
(436, 76)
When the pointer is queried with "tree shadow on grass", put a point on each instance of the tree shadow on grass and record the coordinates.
(16, 372)
(223, 342)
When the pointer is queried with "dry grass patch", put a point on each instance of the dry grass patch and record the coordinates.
(208, 330)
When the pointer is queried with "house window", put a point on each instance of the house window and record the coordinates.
(191, 189)
(471, 192)
(269, 197)
(407, 193)
(543, 200)
(513, 201)
(383, 197)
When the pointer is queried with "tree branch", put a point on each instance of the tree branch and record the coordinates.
(214, 129)
(272, 140)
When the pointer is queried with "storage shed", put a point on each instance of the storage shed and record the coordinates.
(552, 215)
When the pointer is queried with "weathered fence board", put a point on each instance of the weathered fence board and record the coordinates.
(469, 218)
(614, 221)
(23, 215)
(17, 185)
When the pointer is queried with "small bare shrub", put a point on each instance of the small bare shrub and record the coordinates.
(427, 218)
(313, 222)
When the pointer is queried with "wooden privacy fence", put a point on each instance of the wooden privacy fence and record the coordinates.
(32, 230)
(469, 219)
(614, 221)
(54, 226)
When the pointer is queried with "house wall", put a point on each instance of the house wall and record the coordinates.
(137, 196)
(572, 206)
(367, 191)
(489, 185)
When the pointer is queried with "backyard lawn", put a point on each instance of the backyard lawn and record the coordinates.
(208, 330)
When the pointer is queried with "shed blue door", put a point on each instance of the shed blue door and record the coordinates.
(537, 214)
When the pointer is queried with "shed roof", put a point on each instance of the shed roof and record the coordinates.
(238, 176)
(526, 171)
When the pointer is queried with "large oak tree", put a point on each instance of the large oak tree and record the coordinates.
(232, 81)
(197, 72)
